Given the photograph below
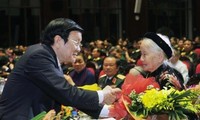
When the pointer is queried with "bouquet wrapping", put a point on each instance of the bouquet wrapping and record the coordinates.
(131, 83)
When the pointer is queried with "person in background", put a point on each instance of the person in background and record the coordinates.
(189, 51)
(111, 76)
(174, 41)
(96, 57)
(3, 61)
(2, 52)
(107, 45)
(197, 46)
(188, 56)
(180, 44)
(99, 44)
(81, 75)
(37, 82)
(117, 52)
(195, 78)
(135, 53)
(174, 62)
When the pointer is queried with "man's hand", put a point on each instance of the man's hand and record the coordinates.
(69, 80)
(50, 115)
(110, 94)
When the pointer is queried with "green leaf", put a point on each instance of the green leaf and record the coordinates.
(133, 107)
(171, 116)
(39, 116)
(139, 112)
(182, 95)
(145, 112)
(176, 116)
(181, 114)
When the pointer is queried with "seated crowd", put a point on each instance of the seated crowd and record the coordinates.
(104, 63)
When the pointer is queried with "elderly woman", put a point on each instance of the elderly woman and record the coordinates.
(155, 51)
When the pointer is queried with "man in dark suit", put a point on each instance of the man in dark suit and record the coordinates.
(37, 82)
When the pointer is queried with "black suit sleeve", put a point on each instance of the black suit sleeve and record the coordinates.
(42, 70)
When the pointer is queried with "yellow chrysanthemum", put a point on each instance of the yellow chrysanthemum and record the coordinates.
(153, 98)
(67, 110)
(172, 102)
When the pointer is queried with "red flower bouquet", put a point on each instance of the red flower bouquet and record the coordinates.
(140, 99)
(138, 84)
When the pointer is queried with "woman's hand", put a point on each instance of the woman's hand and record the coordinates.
(172, 79)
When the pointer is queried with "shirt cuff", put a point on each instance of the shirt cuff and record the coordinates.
(100, 95)
(104, 111)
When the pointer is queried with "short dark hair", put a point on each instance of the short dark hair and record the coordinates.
(118, 62)
(61, 27)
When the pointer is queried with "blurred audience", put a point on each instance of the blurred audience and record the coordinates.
(179, 65)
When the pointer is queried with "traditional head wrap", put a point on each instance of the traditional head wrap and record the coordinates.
(160, 42)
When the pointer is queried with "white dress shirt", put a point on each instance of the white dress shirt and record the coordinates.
(182, 68)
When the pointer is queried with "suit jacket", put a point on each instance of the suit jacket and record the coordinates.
(36, 84)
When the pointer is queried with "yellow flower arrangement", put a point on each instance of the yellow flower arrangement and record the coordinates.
(176, 104)
(64, 114)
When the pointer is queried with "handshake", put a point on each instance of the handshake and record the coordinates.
(110, 95)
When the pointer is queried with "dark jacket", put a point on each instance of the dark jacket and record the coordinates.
(117, 80)
(166, 68)
(84, 77)
(36, 84)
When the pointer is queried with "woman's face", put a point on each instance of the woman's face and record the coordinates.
(79, 64)
(151, 59)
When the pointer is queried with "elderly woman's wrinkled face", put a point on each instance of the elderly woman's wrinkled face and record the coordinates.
(151, 59)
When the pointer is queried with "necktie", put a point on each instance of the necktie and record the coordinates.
(108, 81)
(105, 83)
